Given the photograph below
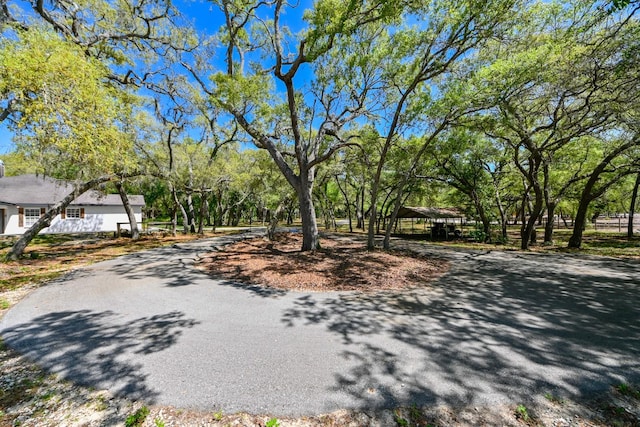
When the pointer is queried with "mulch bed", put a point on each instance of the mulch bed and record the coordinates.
(341, 265)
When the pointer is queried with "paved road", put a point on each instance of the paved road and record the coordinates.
(498, 328)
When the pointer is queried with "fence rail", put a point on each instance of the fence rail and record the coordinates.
(616, 223)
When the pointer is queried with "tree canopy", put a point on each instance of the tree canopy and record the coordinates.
(517, 110)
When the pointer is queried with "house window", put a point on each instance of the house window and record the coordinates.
(73, 213)
(31, 215)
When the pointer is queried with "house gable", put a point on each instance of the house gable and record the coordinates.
(25, 198)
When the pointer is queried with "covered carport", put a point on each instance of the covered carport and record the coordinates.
(437, 223)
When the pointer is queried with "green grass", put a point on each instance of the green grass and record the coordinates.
(58, 254)
(19, 281)
(600, 243)
(48, 396)
(522, 413)
(18, 392)
(553, 399)
(137, 418)
(627, 390)
(273, 422)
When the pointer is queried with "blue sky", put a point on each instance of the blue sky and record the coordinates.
(5, 140)
(207, 19)
(201, 12)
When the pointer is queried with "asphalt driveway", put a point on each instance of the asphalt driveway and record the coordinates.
(499, 327)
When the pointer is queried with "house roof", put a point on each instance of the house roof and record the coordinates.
(433, 213)
(39, 190)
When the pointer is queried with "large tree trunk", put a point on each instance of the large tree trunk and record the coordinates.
(218, 209)
(360, 223)
(133, 224)
(632, 206)
(482, 213)
(174, 210)
(273, 223)
(174, 220)
(347, 204)
(575, 241)
(191, 213)
(204, 209)
(548, 227)
(527, 232)
(45, 220)
(310, 237)
(588, 194)
(330, 219)
(230, 214)
(185, 217)
(371, 229)
(486, 223)
(386, 243)
(290, 211)
(503, 216)
(237, 216)
(385, 206)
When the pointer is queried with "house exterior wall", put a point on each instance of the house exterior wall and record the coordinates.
(96, 219)
(11, 220)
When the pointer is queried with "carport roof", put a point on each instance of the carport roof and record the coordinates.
(433, 213)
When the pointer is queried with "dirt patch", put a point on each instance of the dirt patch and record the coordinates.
(340, 265)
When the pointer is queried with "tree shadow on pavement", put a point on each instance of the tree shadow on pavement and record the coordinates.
(497, 328)
(175, 265)
(95, 349)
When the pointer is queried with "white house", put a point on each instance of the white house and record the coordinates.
(24, 198)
